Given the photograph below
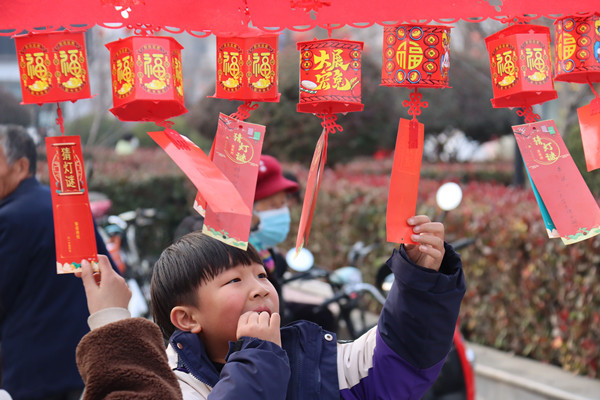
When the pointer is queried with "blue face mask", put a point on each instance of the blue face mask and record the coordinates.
(273, 228)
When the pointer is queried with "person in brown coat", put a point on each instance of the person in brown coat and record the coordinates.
(122, 357)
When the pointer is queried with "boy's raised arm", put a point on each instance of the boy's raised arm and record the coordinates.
(417, 323)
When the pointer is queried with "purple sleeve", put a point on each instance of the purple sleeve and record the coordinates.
(415, 329)
(391, 377)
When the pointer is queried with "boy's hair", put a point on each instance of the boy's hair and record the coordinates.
(186, 264)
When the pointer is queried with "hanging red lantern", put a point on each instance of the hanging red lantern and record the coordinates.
(330, 75)
(416, 56)
(53, 67)
(520, 66)
(248, 67)
(147, 78)
(577, 45)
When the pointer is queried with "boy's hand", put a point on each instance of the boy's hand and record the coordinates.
(112, 291)
(429, 251)
(260, 325)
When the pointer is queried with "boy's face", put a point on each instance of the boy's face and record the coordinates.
(224, 299)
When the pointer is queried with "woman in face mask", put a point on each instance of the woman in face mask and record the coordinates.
(270, 227)
(271, 219)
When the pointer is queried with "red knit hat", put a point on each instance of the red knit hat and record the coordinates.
(271, 180)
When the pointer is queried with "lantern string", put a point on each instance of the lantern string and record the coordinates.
(59, 119)
(595, 103)
(592, 87)
(243, 111)
(528, 114)
(415, 104)
(329, 123)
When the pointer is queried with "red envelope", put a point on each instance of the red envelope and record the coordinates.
(589, 124)
(213, 185)
(312, 190)
(404, 182)
(73, 223)
(236, 152)
(570, 203)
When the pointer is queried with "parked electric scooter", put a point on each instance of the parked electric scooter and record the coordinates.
(343, 290)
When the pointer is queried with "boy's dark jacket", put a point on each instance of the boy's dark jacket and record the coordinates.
(400, 359)
(414, 336)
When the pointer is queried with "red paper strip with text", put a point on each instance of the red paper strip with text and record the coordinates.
(236, 152)
(312, 191)
(404, 182)
(214, 186)
(589, 122)
(73, 223)
(570, 203)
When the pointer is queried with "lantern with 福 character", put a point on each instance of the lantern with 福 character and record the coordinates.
(577, 45)
(520, 66)
(248, 69)
(53, 67)
(330, 83)
(414, 56)
(147, 78)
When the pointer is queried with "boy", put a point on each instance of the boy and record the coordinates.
(220, 314)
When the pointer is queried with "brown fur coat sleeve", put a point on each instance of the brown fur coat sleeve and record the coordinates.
(126, 360)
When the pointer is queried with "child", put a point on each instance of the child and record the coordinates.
(220, 314)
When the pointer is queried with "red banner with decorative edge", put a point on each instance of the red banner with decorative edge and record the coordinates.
(213, 185)
(589, 124)
(73, 223)
(570, 203)
(313, 183)
(404, 182)
(236, 152)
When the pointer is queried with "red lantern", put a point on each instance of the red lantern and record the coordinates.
(577, 45)
(53, 67)
(416, 56)
(330, 74)
(248, 67)
(147, 78)
(520, 66)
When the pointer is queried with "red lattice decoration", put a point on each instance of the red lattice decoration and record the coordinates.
(528, 114)
(243, 111)
(329, 123)
(415, 104)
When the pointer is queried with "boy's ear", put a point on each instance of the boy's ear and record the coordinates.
(185, 319)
